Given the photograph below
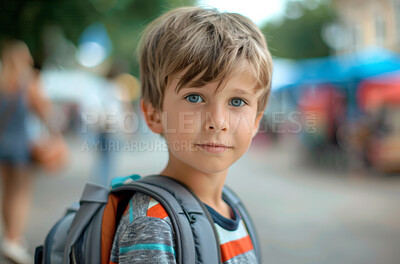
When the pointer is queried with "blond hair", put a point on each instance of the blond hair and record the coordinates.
(206, 46)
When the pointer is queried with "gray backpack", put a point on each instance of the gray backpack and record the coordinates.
(83, 235)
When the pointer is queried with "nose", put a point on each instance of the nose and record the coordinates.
(216, 119)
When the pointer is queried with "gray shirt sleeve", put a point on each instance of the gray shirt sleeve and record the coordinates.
(143, 239)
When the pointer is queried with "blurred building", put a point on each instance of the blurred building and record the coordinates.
(366, 23)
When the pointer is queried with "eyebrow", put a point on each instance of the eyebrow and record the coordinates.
(243, 91)
(238, 90)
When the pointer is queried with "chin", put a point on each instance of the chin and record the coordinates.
(210, 167)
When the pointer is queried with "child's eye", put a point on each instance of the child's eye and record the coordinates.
(194, 98)
(237, 102)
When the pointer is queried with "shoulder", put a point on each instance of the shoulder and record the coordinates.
(143, 210)
(33, 83)
(144, 233)
(146, 216)
(30, 78)
(144, 206)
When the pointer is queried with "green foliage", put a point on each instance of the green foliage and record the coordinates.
(123, 19)
(301, 35)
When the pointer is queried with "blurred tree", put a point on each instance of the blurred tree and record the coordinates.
(26, 20)
(123, 20)
(299, 34)
(126, 21)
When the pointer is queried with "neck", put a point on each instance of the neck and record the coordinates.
(207, 186)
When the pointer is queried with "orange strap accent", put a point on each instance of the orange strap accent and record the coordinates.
(108, 228)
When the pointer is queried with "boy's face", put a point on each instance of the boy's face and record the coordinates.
(209, 131)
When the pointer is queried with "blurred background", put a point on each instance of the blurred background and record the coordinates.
(322, 175)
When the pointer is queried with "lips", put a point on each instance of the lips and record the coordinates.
(214, 147)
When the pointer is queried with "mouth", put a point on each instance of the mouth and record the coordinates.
(214, 147)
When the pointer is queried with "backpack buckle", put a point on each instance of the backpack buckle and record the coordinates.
(191, 217)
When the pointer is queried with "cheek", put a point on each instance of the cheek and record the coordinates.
(242, 123)
(181, 120)
(170, 122)
(190, 122)
(179, 128)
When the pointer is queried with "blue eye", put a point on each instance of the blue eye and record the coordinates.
(237, 102)
(194, 98)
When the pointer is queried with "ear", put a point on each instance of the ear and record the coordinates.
(152, 117)
(257, 122)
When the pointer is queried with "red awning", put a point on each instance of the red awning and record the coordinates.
(380, 91)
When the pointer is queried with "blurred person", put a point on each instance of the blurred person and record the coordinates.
(106, 137)
(112, 110)
(323, 109)
(371, 142)
(20, 92)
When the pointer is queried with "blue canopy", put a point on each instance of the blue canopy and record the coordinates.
(372, 62)
(343, 69)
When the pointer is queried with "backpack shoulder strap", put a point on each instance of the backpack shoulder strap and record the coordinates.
(233, 199)
(199, 238)
(93, 198)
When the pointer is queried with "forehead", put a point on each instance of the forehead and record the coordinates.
(241, 80)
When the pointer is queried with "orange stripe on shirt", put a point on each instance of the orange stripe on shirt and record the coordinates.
(234, 248)
(157, 211)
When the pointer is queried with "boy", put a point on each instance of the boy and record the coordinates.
(205, 79)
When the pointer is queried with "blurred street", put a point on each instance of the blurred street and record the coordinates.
(303, 215)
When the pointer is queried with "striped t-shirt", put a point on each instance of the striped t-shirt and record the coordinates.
(145, 235)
